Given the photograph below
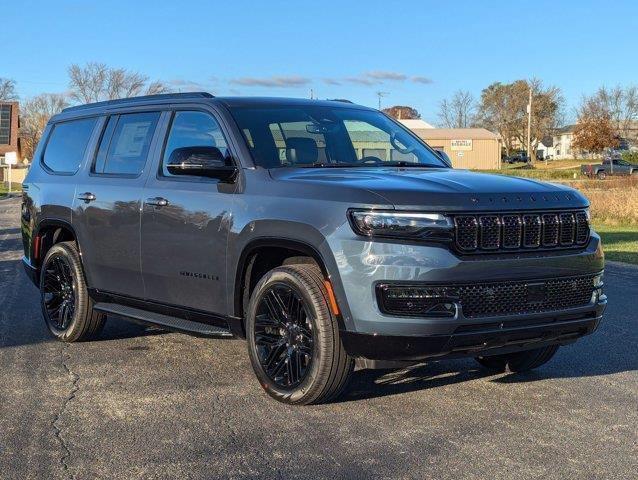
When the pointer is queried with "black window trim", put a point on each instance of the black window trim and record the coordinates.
(159, 175)
(118, 115)
(41, 161)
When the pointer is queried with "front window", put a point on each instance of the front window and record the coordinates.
(309, 135)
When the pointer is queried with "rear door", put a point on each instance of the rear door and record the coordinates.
(186, 222)
(108, 200)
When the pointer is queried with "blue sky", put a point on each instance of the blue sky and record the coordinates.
(418, 51)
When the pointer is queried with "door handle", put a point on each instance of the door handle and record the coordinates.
(157, 201)
(86, 197)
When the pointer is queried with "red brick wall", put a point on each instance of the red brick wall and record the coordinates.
(13, 140)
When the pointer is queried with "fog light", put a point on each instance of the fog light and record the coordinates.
(417, 301)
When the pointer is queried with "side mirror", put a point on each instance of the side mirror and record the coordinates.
(202, 162)
(444, 156)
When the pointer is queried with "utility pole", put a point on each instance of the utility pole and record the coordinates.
(529, 126)
(380, 95)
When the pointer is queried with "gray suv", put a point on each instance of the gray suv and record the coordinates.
(323, 232)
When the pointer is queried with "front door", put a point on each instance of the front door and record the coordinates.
(186, 222)
(107, 206)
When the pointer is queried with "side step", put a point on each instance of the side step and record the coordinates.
(172, 323)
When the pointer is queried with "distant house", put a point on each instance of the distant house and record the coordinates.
(416, 124)
(471, 148)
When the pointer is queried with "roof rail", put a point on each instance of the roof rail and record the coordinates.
(141, 99)
(343, 100)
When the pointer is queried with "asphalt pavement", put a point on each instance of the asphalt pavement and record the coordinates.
(143, 403)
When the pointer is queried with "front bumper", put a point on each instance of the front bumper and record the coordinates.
(362, 264)
(470, 340)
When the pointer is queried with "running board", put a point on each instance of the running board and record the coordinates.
(172, 323)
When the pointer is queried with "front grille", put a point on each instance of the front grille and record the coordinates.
(509, 298)
(524, 231)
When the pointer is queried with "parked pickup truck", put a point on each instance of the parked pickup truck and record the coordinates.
(616, 166)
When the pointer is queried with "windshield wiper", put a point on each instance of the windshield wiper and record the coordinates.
(331, 165)
(403, 163)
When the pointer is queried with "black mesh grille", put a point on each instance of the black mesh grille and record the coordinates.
(475, 233)
(550, 230)
(512, 229)
(486, 300)
(567, 228)
(466, 232)
(582, 228)
(490, 232)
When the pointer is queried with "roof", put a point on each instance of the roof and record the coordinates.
(91, 108)
(455, 134)
(279, 101)
(566, 129)
(416, 124)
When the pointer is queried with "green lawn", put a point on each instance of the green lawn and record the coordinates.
(619, 243)
(16, 187)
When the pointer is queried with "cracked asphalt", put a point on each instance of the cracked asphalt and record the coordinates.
(142, 403)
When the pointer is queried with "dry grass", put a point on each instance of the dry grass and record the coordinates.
(613, 201)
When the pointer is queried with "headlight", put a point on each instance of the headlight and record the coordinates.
(426, 226)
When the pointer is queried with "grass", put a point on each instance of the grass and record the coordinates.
(619, 243)
(4, 188)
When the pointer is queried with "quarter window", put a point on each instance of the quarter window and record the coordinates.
(125, 144)
(66, 145)
(193, 129)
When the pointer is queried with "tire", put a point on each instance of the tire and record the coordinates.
(601, 175)
(299, 330)
(66, 305)
(520, 361)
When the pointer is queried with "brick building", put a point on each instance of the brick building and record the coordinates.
(9, 127)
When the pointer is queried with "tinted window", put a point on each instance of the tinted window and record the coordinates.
(125, 144)
(193, 129)
(67, 144)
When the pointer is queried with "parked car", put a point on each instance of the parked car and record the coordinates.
(518, 157)
(614, 166)
(273, 221)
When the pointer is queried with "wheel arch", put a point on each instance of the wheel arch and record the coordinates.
(262, 254)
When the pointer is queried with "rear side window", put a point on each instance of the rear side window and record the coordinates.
(66, 146)
(125, 144)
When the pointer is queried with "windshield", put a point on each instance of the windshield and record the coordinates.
(311, 136)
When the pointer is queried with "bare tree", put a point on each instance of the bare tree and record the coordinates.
(402, 112)
(459, 111)
(94, 82)
(621, 105)
(7, 90)
(503, 109)
(34, 115)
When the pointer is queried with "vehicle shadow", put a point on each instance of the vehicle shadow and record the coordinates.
(610, 350)
(9, 231)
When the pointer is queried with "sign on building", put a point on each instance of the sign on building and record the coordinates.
(10, 158)
(461, 144)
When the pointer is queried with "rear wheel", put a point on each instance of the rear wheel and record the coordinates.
(601, 175)
(293, 338)
(520, 361)
(66, 306)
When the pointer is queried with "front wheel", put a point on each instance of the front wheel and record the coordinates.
(293, 337)
(601, 175)
(520, 361)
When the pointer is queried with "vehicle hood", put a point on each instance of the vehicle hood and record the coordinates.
(441, 188)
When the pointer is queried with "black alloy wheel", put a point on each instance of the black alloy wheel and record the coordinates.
(66, 305)
(58, 293)
(284, 335)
